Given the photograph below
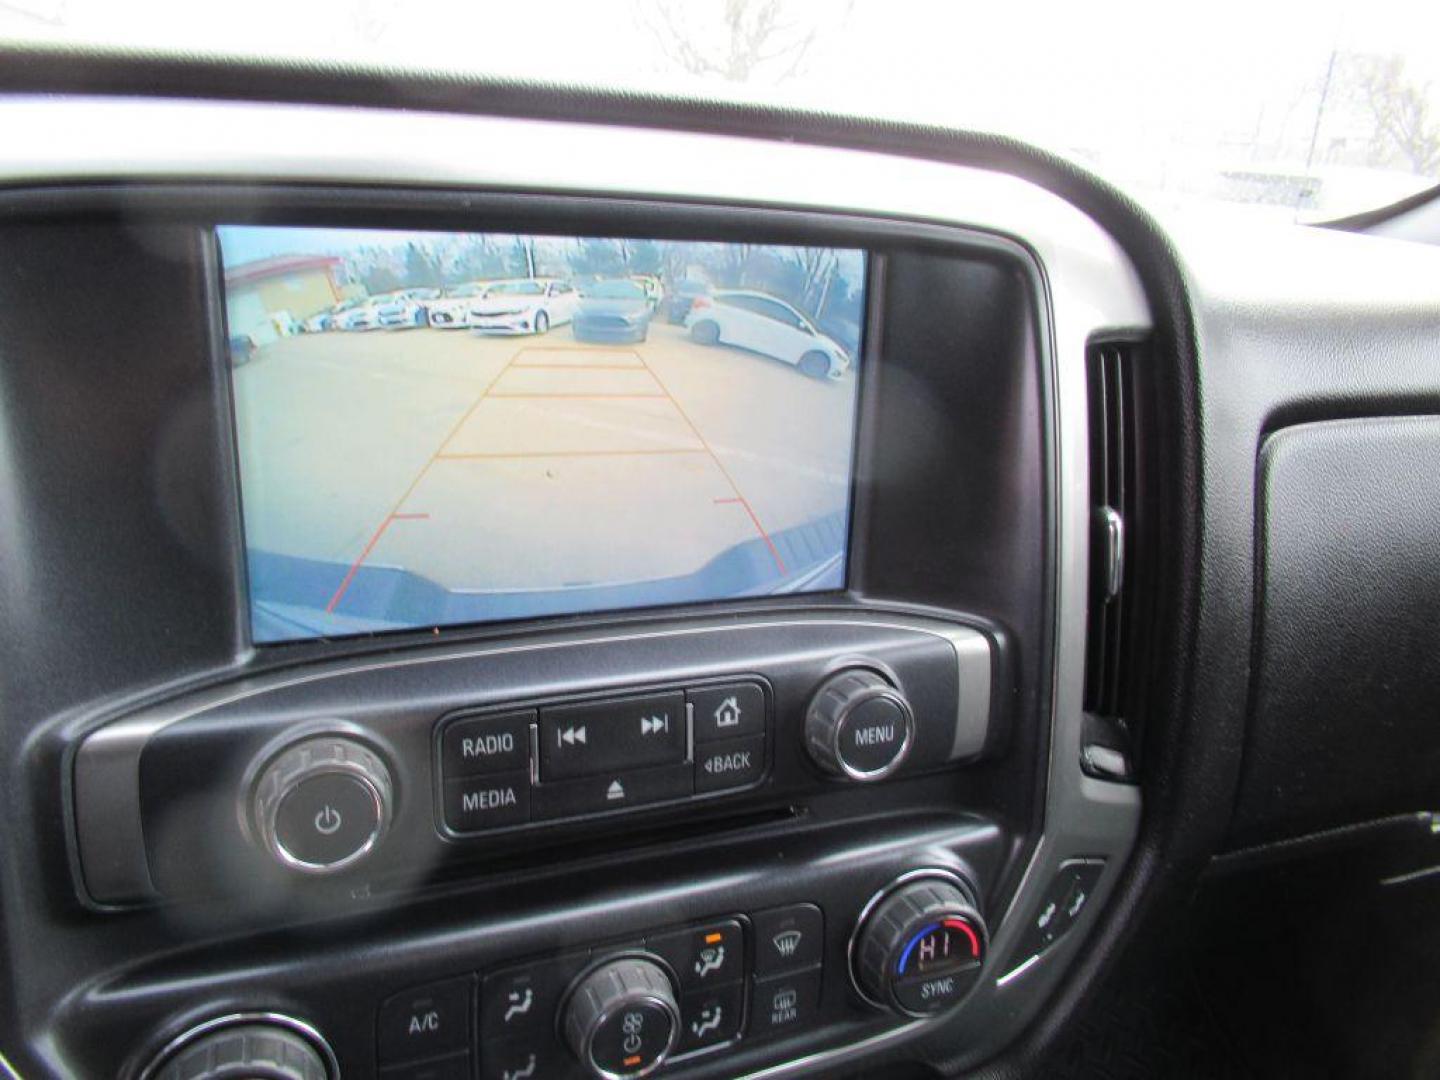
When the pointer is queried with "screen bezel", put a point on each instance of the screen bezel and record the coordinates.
(865, 356)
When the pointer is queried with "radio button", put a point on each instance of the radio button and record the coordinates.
(727, 712)
(611, 791)
(487, 802)
(477, 745)
(703, 955)
(734, 763)
(610, 736)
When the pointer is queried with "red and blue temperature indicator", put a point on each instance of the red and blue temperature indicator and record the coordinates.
(939, 946)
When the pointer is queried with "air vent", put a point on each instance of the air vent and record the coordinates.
(1116, 481)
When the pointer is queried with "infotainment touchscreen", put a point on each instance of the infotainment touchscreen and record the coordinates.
(443, 428)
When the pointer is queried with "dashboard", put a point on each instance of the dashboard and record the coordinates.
(492, 593)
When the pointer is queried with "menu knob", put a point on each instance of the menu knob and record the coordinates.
(859, 726)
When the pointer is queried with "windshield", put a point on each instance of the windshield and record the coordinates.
(1297, 110)
(614, 290)
(517, 288)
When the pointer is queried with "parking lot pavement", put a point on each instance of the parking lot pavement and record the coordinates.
(503, 463)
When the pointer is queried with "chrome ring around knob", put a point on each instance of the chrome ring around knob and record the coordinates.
(280, 1043)
(323, 804)
(624, 989)
(838, 703)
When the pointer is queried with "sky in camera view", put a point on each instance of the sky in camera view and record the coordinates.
(1309, 109)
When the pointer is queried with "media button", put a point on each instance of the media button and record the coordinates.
(476, 745)
(487, 802)
(608, 736)
(727, 712)
(734, 763)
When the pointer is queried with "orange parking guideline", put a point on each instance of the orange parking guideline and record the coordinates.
(440, 455)
(754, 518)
(393, 515)
(520, 455)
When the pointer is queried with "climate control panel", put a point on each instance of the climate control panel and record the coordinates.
(661, 998)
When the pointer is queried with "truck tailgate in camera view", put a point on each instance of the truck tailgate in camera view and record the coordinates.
(442, 428)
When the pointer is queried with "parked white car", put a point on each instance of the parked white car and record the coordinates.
(524, 306)
(452, 310)
(360, 317)
(765, 324)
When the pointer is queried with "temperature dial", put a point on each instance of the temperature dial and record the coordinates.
(920, 948)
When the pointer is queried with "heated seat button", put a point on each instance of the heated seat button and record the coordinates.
(734, 763)
(788, 939)
(613, 735)
(487, 802)
(709, 1017)
(475, 745)
(426, 1021)
(703, 955)
(784, 1005)
(728, 712)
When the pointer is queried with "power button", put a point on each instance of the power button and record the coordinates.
(323, 804)
(327, 819)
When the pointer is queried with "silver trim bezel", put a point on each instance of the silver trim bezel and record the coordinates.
(219, 1023)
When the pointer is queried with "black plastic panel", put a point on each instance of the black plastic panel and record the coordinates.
(1348, 657)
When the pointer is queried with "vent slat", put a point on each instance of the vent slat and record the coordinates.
(1114, 489)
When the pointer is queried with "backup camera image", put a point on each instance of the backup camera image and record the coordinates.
(441, 428)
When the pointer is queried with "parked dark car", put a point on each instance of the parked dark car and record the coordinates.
(614, 310)
(677, 304)
(242, 349)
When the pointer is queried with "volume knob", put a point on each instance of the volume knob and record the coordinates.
(323, 804)
(859, 726)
